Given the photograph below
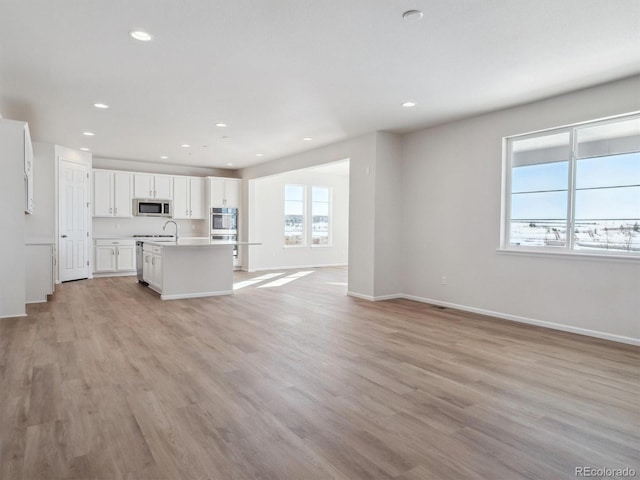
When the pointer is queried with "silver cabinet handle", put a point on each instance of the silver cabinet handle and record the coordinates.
(155, 193)
(150, 193)
(63, 236)
(111, 210)
(186, 213)
(153, 260)
(190, 212)
(116, 210)
(113, 252)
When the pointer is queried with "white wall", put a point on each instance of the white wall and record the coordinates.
(451, 179)
(266, 208)
(163, 168)
(41, 225)
(12, 199)
(361, 152)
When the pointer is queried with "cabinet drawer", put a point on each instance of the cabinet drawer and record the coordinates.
(115, 242)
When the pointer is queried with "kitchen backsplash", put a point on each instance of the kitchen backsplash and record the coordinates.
(124, 227)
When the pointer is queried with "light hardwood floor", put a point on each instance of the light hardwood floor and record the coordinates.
(302, 382)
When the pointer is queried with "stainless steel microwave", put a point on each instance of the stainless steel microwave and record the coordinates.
(152, 207)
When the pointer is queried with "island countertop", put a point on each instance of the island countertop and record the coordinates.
(195, 242)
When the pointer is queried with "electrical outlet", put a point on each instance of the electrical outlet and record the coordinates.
(444, 280)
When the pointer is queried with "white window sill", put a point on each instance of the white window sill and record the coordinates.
(294, 246)
(321, 246)
(575, 255)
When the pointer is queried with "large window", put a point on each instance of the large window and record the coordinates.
(294, 207)
(307, 222)
(575, 188)
(320, 215)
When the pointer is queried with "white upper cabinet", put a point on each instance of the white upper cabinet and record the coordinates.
(197, 210)
(225, 192)
(163, 186)
(112, 193)
(142, 185)
(188, 197)
(152, 186)
(102, 193)
(181, 197)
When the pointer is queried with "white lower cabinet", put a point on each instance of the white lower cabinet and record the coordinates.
(40, 265)
(152, 266)
(115, 256)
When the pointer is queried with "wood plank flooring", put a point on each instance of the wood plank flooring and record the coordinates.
(299, 381)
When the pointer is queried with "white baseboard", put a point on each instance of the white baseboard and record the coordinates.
(180, 296)
(530, 321)
(14, 316)
(297, 267)
(113, 274)
(376, 298)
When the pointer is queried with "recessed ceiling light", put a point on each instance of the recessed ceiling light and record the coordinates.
(141, 35)
(101, 105)
(258, 154)
(229, 164)
(412, 15)
(164, 157)
(185, 145)
(88, 134)
(409, 104)
(205, 146)
(221, 125)
(224, 136)
(308, 139)
(84, 149)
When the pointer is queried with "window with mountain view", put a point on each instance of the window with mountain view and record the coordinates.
(575, 189)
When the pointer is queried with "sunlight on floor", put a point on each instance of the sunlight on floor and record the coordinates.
(253, 281)
(283, 281)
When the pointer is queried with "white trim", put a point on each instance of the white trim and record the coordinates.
(375, 299)
(14, 316)
(294, 267)
(574, 254)
(179, 296)
(531, 321)
(114, 274)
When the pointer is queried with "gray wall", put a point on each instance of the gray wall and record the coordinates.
(12, 199)
(451, 179)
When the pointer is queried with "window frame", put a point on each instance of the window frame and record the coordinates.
(304, 214)
(506, 195)
(329, 215)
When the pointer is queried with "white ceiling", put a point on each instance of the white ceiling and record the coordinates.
(279, 70)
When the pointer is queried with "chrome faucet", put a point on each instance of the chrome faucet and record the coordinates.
(164, 228)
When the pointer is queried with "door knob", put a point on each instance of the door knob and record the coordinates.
(63, 236)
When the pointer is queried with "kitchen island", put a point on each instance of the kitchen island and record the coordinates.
(189, 267)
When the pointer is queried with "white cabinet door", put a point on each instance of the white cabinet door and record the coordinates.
(197, 210)
(163, 187)
(105, 259)
(126, 258)
(155, 279)
(102, 193)
(143, 185)
(180, 197)
(217, 192)
(146, 267)
(122, 199)
(232, 193)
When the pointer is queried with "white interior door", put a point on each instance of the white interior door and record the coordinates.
(73, 228)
